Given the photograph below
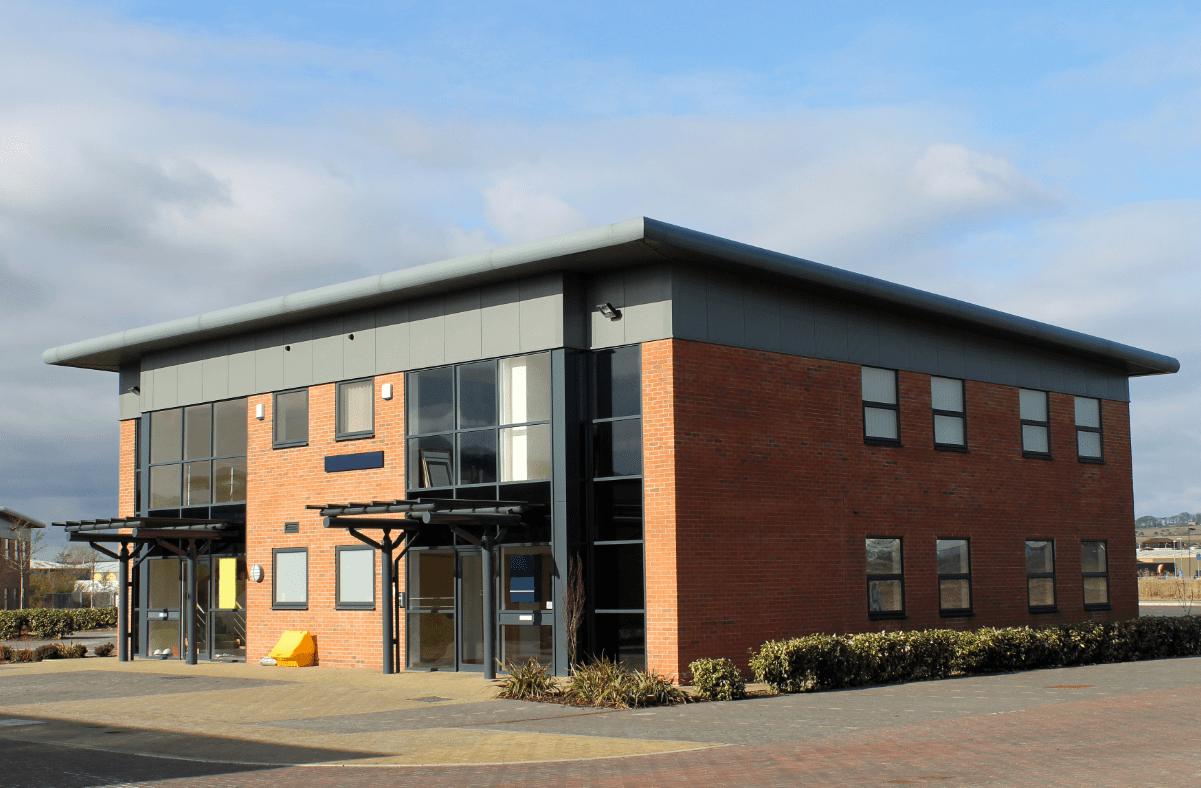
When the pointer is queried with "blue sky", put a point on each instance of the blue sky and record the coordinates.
(1041, 158)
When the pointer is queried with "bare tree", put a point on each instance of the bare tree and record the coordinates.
(573, 608)
(16, 559)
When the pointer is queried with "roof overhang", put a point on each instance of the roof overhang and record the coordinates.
(18, 520)
(613, 246)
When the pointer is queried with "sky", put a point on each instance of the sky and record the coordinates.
(160, 159)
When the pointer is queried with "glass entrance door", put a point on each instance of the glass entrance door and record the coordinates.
(164, 594)
(445, 618)
(471, 611)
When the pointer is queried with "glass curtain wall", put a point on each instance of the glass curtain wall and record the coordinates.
(614, 495)
(478, 431)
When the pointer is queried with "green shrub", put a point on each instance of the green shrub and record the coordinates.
(104, 649)
(805, 664)
(25, 655)
(12, 624)
(48, 651)
(607, 684)
(78, 651)
(530, 681)
(7, 654)
(45, 623)
(717, 679)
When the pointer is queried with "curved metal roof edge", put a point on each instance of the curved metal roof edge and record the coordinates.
(462, 270)
(17, 517)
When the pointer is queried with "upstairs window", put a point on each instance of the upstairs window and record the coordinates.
(291, 418)
(197, 456)
(1088, 429)
(1036, 429)
(356, 409)
(880, 408)
(1040, 575)
(946, 400)
(1094, 565)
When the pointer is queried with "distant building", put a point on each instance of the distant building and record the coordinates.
(16, 532)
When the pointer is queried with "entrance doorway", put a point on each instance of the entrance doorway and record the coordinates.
(220, 612)
(445, 620)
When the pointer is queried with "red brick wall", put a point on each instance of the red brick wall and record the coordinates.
(775, 492)
(126, 505)
(280, 482)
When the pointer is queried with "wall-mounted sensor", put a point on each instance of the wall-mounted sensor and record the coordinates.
(258, 411)
(609, 311)
(385, 391)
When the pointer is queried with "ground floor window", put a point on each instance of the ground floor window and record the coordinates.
(954, 577)
(1040, 574)
(290, 578)
(1094, 565)
(355, 567)
(885, 578)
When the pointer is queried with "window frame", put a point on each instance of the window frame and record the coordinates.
(339, 435)
(958, 414)
(1046, 425)
(144, 467)
(1108, 603)
(953, 612)
(1098, 430)
(1054, 606)
(275, 603)
(275, 442)
(338, 603)
(894, 407)
(886, 614)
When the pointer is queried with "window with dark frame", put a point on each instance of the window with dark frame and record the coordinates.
(355, 409)
(291, 417)
(1088, 430)
(1036, 427)
(881, 411)
(1094, 566)
(946, 400)
(954, 577)
(355, 577)
(290, 578)
(196, 458)
(1040, 575)
(885, 578)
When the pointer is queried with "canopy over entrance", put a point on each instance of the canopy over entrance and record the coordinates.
(482, 523)
(135, 538)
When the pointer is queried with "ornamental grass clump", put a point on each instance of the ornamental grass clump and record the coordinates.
(607, 684)
(104, 649)
(529, 681)
(717, 679)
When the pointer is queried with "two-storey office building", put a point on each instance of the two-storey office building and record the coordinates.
(733, 444)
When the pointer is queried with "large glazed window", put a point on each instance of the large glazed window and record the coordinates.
(197, 458)
(881, 411)
(1094, 566)
(1036, 427)
(885, 579)
(1040, 575)
(1088, 429)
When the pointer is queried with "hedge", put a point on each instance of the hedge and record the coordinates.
(45, 623)
(821, 662)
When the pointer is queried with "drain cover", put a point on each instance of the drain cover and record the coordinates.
(431, 699)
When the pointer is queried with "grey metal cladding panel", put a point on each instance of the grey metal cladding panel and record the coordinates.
(427, 333)
(1029, 371)
(166, 388)
(214, 376)
(830, 330)
(129, 377)
(647, 297)
(725, 310)
(129, 406)
(541, 322)
(1052, 373)
(269, 361)
(951, 363)
(146, 400)
(544, 286)
(392, 339)
(500, 320)
(191, 383)
(977, 359)
(897, 340)
(863, 337)
(241, 366)
(358, 354)
(463, 326)
(796, 325)
(1075, 377)
(1119, 388)
(298, 361)
(688, 309)
(327, 351)
(761, 318)
(606, 289)
(1004, 364)
(576, 312)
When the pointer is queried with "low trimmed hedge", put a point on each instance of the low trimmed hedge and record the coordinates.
(45, 623)
(717, 679)
(821, 662)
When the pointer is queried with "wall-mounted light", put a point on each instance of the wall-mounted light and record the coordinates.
(609, 311)
(136, 390)
(385, 391)
(256, 573)
(259, 411)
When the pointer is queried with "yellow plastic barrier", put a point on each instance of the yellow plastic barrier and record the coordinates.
(294, 650)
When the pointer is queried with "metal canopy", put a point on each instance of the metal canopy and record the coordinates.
(457, 514)
(142, 534)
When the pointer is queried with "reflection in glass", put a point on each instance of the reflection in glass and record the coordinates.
(954, 594)
(229, 428)
(525, 389)
(229, 480)
(198, 431)
(525, 453)
(229, 634)
(196, 483)
(164, 486)
(164, 583)
(519, 644)
(1093, 557)
(952, 557)
(618, 577)
(166, 436)
(535, 524)
(617, 448)
(431, 401)
(431, 639)
(1040, 556)
(472, 608)
(477, 395)
(884, 556)
(526, 578)
(292, 417)
(618, 510)
(621, 637)
(477, 457)
(884, 596)
(431, 461)
(618, 379)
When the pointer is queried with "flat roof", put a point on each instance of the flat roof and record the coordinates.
(20, 520)
(619, 245)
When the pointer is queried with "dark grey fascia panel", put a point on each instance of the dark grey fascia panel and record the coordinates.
(613, 246)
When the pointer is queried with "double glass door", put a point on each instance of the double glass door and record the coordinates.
(445, 619)
(220, 608)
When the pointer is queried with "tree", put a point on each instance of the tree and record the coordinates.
(28, 539)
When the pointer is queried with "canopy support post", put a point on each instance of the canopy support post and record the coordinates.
(489, 611)
(388, 601)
